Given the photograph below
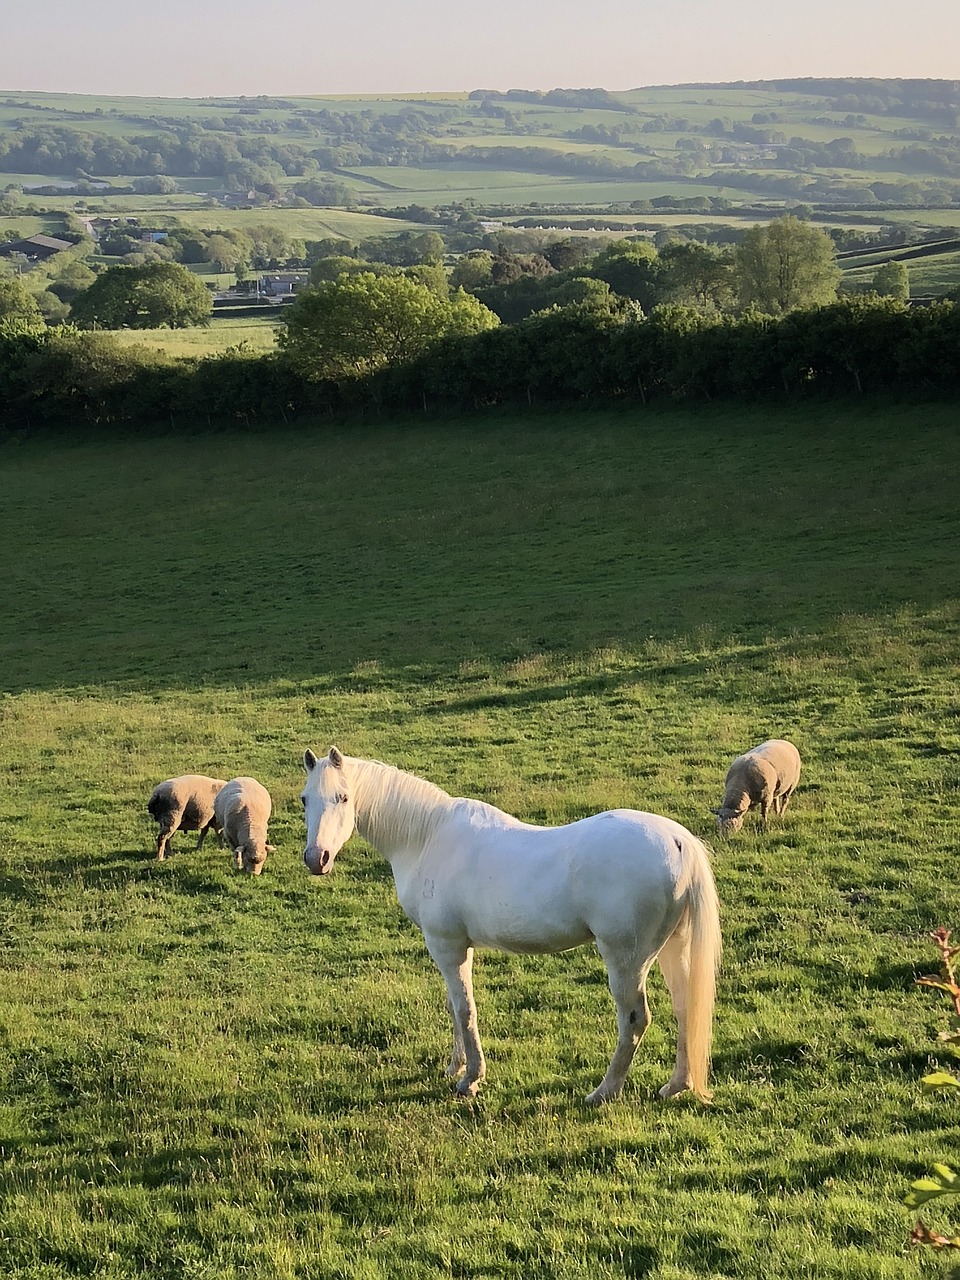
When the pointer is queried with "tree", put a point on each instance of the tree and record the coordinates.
(892, 280)
(227, 252)
(158, 184)
(16, 301)
(472, 270)
(785, 265)
(73, 279)
(151, 296)
(337, 265)
(330, 191)
(358, 324)
(694, 274)
(630, 269)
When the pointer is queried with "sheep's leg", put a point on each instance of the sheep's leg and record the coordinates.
(163, 838)
(203, 835)
(785, 799)
(767, 802)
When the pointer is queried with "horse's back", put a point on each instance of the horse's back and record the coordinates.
(527, 888)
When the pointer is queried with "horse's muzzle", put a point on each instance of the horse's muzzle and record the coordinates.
(318, 861)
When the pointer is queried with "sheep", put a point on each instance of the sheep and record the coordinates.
(184, 804)
(766, 776)
(243, 811)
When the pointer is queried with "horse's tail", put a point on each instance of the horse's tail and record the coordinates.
(703, 911)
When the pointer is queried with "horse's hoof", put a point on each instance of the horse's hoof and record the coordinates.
(467, 1089)
(595, 1099)
(670, 1090)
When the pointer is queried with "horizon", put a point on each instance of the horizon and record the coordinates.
(236, 48)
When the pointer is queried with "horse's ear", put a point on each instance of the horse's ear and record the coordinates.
(336, 759)
(309, 760)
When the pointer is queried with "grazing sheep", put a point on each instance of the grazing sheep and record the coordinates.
(766, 776)
(184, 804)
(243, 811)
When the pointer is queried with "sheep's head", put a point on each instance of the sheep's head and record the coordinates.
(729, 820)
(251, 856)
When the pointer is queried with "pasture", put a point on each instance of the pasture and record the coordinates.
(251, 334)
(205, 1075)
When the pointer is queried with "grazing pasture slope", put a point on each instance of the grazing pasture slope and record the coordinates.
(206, 1074)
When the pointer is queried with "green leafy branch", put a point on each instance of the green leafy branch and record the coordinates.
(942, 1181)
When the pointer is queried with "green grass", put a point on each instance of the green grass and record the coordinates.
(206, 1076)
(455, 122)
(222, 333)
(937, 274)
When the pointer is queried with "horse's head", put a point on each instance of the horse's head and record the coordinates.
(329, 810)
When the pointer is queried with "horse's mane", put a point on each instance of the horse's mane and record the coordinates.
(394, 807)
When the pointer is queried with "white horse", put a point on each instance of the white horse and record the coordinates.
(469, 875)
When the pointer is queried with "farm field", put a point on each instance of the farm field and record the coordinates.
(210, 1076)
(223, 332)
(928, 276)
(768, 141)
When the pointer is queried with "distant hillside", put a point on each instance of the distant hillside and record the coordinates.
(855, 144)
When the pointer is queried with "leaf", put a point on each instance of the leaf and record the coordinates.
(938, 984)
(939, 1082)
(922, 1234)
(942, 1182)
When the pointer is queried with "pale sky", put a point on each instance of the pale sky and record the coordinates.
(201, 48)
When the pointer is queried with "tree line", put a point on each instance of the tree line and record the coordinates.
(580, 354)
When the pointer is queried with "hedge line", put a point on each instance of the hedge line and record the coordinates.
(576, 353)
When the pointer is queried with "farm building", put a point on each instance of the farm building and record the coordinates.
(34, 248)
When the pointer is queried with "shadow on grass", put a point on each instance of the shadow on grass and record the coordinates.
(745, 658)
(16, 889)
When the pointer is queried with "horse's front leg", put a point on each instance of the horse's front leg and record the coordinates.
(458, 1058)
(455, 963)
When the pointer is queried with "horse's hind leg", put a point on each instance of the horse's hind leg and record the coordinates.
(674, 961)
(456, 965)
(628, 986)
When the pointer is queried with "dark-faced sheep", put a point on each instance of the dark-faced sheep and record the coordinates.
(184, 804)
(766, 776)
(242, 811)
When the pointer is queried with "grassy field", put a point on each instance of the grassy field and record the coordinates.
(223, 332)
(660, 120)
(208, 1076)
(928, 276)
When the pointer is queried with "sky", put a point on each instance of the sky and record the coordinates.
(205, 48)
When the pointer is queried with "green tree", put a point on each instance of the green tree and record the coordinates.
(73, 279)
(630, 269)
(892, 280)
(784, 265)
(472, 270)
(358, 324)
(16, 301)
(154, 295)
(696, 275)
(227, 251)
(337, 265)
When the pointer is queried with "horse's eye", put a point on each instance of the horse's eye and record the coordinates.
(341, 799)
